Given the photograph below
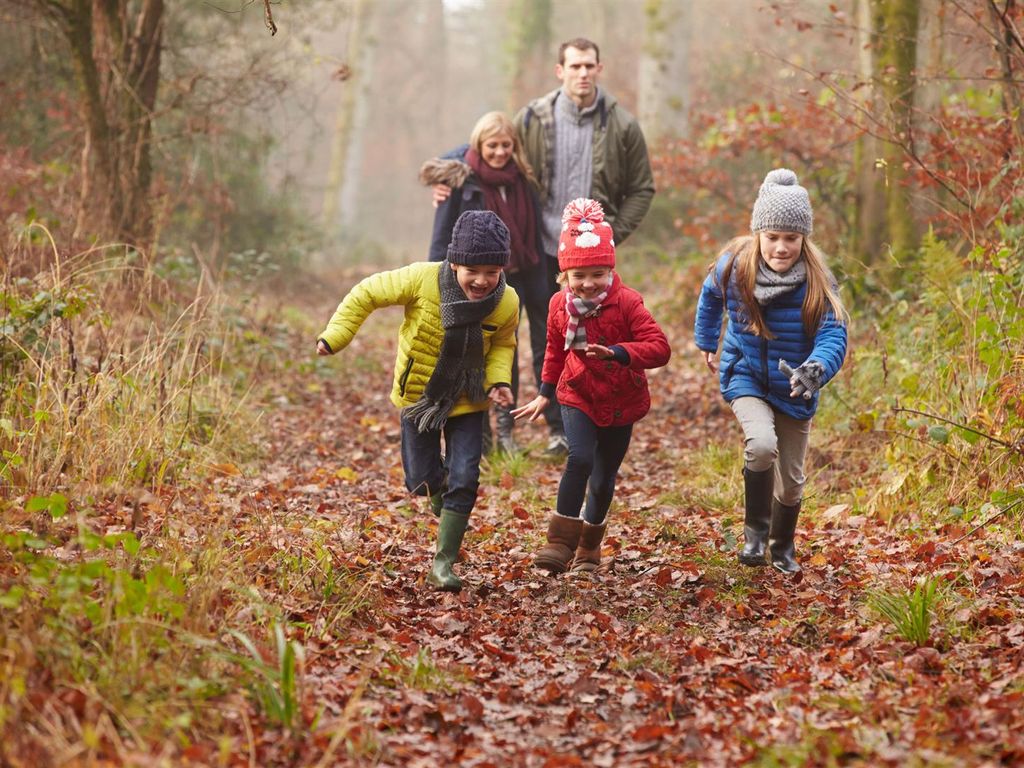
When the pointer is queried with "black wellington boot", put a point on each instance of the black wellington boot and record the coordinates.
(757, 499)
(780, 541)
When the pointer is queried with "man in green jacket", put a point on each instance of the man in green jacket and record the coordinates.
(581, 142)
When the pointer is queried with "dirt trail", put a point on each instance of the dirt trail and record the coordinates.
(671, 654)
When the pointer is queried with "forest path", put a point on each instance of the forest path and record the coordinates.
(671, 653)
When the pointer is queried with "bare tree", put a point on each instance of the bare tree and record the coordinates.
(868, 233)
(664, 82)
(115, 47)
(1009, 47)
(894, 33)
(353, 78)
(528, 49)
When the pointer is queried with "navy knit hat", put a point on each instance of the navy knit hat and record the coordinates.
(782, 205)
(478, 238)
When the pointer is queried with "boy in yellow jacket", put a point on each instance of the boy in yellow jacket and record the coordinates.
(455, 351)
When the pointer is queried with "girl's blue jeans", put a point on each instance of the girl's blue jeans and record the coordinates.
(595, 454)
(425, 467)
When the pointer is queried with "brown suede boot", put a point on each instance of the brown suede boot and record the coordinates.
(588, 553)
(563, 536)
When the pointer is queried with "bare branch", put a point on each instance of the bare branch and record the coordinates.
(269, 17)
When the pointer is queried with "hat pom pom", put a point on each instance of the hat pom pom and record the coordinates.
(582, 208)
(783, 176)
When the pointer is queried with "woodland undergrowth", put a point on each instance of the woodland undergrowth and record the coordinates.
(142, 605)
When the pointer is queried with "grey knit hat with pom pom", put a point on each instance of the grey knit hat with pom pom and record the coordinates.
(782, 205)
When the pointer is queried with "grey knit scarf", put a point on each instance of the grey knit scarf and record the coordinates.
(771, 285)
(460, 364)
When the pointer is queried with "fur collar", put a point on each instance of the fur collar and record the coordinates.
(438, 171)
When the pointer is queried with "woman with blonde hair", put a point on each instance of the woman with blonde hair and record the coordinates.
(492, 173)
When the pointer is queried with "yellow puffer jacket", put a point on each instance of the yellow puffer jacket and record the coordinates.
(419, 339)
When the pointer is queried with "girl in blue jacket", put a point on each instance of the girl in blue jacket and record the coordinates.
(785, 339)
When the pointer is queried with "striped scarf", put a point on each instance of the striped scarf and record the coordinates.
(577, 309)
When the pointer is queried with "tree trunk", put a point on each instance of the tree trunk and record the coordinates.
(896, 26)
(339, 170)
(115, 50)
(1009, 49)
(529, 51)
(435, 46)
(931, 56)
(868, 231)
(664, 93)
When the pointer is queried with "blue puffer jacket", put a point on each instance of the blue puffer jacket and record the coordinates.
(749, 366)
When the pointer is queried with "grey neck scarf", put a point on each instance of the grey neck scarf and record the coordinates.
(771, 285)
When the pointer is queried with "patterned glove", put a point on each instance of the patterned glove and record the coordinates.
(805, 380)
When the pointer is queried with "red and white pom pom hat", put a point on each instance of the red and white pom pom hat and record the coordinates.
(587, 239)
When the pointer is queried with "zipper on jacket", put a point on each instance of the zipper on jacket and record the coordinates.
(404, 378)
(764, 364)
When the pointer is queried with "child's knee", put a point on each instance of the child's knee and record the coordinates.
(579, 464)
(761, 452)
(792, 496)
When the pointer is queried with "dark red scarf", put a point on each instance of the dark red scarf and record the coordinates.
(515, 209)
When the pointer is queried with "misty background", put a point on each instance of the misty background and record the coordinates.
(376, 88)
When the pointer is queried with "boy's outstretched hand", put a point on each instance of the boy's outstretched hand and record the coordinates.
(532, 409)
(502, 396)
(322, 348)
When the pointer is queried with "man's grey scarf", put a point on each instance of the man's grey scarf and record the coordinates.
(460, 364)
(771, 285)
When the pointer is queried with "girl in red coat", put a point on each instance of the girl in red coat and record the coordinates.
(601, 338)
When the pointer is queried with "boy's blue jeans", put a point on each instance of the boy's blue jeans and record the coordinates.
(425, 467)
(595, 454)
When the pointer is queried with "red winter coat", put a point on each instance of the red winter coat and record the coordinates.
(610, 393)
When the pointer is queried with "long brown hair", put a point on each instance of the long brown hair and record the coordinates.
(494, 123)
(822, 293)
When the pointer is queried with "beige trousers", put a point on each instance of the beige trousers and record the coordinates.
(771, 438)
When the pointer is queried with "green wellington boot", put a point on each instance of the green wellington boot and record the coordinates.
(436, 502)
(450, 531)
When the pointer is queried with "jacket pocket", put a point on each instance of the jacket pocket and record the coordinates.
(404, 378)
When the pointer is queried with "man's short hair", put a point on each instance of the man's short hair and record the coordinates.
(580, 44)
